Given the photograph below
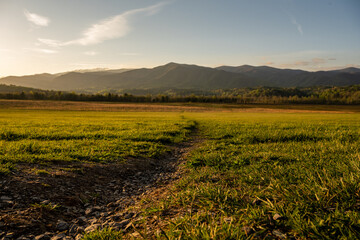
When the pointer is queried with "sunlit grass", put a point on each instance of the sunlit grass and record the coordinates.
(304, 167)
(50, 136)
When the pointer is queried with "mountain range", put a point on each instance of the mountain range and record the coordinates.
(184, 76)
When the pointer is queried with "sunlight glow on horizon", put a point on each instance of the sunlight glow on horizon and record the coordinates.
(127, 34)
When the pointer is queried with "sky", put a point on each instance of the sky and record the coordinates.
(54, 36)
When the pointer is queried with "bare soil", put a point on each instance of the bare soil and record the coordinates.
(70, 199)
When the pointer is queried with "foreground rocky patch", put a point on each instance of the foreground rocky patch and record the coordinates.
(66, 201)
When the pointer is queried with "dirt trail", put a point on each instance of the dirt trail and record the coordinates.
(71, 199)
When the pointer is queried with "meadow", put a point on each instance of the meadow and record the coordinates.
(255, 175)
(265, 175)
(45, 137)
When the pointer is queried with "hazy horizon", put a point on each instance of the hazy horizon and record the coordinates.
(46, 36)
(109, 69)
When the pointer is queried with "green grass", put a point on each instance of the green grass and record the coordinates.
(45, 207)
(50, 136)
(251, 166)
(305, 167)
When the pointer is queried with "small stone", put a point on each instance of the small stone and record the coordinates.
(59, 236)
(82, 220)
(278, 217)
(279, 234)
(88, 211)
(92, 228)
(7, 203)
(62, 225)
(36, 199)
(5, 198)
(228, 219)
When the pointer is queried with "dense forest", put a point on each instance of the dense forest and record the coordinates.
(263, 95)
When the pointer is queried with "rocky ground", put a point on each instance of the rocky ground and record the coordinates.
(67, 200)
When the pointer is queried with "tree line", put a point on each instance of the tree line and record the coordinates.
(260, 95)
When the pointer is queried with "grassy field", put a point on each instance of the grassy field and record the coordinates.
(44, 136)
(256, 175)
(266, 175)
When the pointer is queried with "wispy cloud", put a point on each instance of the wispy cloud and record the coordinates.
(41, 50)
(111, 28)
(50, 42)
(91, 53)
(294, 21)
(298, 25)
(315, 62)
(318, 60)
(36, 19)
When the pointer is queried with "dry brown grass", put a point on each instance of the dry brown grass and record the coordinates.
(169, 107)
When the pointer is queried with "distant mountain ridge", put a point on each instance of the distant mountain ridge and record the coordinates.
(185, 76)
(17, 89)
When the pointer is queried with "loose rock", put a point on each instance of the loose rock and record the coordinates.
(81, 220)
(278, 217)
(5, 198)
(88, 211)
(62, 225)
(279, 234)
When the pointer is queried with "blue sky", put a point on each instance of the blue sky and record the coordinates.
(55, 36)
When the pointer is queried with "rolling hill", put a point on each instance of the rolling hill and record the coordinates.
(298, 78)
(17, 89)
(184, 76)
